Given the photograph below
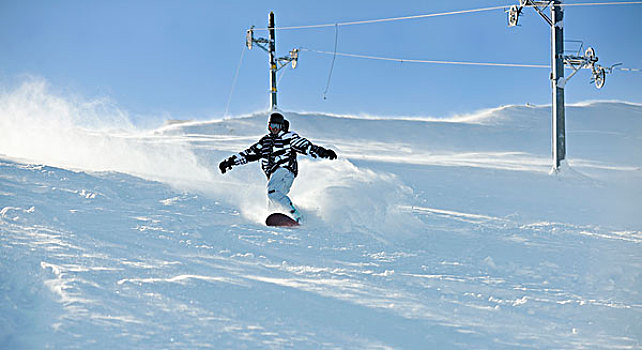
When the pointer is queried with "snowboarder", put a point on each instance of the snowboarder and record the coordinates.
(278, 151)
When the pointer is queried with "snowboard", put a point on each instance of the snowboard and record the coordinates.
(280, 220)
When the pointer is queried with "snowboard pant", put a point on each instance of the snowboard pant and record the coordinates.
(278, 188)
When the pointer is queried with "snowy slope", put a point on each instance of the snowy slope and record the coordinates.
(426, 233)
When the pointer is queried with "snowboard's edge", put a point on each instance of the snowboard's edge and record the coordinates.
(280, 220)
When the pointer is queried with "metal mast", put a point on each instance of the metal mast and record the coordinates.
(276, 63)
(273, 68)
(558, 60)
(557, 77)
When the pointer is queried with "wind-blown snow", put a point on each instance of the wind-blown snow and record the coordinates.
(425, 233)
(39, 126)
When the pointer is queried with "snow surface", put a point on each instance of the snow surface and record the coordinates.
(425, 233)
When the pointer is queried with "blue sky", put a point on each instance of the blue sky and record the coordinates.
(159, 59)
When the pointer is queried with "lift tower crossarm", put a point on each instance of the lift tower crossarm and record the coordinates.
(536, 5)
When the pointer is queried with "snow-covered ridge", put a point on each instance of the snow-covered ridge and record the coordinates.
(40, 126)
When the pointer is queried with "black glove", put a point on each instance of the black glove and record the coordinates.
(226, 164)
(327, 153)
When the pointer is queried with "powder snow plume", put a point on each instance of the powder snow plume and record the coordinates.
(40, 126)
(92, 135)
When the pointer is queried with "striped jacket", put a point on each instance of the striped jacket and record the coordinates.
(278, 151)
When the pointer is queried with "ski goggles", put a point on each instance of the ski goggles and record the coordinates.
(275, 126)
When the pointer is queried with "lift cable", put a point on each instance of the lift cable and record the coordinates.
(334, 57)
(477, 10)
(517, 65)
(380, 20)
(604, 3)
(629, 69)
(467, 63)
(236, 75)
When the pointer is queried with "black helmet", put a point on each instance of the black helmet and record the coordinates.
(276, 117)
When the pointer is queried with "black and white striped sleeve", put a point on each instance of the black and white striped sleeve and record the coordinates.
(304, 146)
(253, 153)
(301, 144)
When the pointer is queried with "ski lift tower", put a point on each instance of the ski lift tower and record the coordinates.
(269, 46)
(556, 22)
(558, 60)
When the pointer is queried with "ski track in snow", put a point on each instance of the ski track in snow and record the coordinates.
(444, 257)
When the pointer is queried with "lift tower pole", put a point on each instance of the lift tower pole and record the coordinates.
(269, 46)
(273, 66)
(558, 81)
(558, 60)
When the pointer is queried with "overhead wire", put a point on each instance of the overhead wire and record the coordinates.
(603, 3)
(467, 63)
(514, 65)
(334, 57)
(285, 69)
(391, 19)
(625, 69)
(439, 14)
(236, 75)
